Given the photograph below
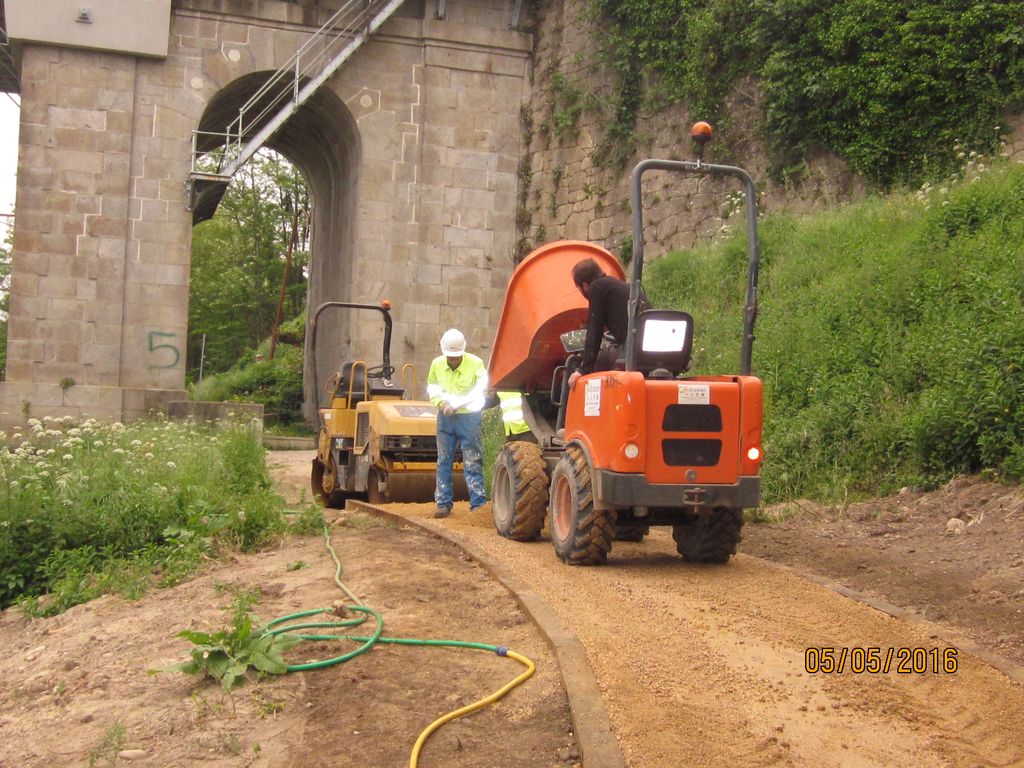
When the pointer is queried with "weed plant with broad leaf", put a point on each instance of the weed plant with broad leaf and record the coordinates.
(228, 654)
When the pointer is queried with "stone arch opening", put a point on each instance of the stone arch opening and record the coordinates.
(322, 140)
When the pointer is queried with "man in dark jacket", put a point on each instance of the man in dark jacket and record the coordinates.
(609, 311)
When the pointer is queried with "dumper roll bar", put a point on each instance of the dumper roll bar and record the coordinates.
(387, 370)
(753, 255)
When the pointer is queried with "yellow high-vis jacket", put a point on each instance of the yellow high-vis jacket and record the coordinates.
(512, 413)
(463, 388)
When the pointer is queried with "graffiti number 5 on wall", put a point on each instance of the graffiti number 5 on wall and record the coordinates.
(153, 347)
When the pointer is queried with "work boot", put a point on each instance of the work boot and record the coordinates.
(442, 511)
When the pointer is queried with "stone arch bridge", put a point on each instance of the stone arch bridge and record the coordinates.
(410, 150)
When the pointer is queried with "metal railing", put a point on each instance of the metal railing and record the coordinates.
(288, 88)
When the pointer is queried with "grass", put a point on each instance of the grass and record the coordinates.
(890, 335)
(88, 509)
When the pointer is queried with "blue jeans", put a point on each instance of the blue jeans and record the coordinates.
(461, 429)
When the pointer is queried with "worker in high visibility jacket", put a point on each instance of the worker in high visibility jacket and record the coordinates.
(515, 425)
(457, 385)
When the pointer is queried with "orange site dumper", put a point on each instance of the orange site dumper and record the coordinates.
(641, 445)
(541, 304)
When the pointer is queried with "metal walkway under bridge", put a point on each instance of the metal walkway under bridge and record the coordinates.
(217, 156)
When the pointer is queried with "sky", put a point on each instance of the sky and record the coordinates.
(8, 154)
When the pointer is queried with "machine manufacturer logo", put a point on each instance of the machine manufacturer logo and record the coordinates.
(694, 394)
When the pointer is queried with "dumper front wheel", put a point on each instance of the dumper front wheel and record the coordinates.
(710, 537)
(581, 534)
(519, 490)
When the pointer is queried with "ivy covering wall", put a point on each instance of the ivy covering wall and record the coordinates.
(902, 90)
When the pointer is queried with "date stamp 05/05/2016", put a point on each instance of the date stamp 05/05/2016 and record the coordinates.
(873, 660)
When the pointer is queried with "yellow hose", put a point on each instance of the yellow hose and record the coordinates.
(280, 626)
(530, 667)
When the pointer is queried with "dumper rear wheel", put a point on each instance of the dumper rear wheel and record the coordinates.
(519, 491)
(581, 534)
(710, 537)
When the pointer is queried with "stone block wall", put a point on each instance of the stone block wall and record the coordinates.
(415, 149)
(570, 197)
(98, 304)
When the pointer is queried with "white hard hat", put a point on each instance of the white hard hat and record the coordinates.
(453, 343)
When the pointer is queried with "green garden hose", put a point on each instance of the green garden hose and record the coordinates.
(281, 626)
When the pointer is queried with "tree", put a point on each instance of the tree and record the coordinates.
(240, 263)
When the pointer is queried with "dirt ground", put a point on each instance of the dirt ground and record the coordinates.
(697, 665)
(76, 689)
(954, 556)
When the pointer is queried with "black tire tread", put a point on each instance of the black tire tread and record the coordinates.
(595, 528)
(711, 538)
(333, 500)
(524, 464)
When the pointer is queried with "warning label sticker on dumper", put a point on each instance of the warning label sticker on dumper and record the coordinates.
(592, 398)
(694, 394)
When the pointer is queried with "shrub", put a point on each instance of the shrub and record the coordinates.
(89, 508)
(276, 384)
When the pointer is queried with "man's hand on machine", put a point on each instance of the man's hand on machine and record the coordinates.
(572, 379)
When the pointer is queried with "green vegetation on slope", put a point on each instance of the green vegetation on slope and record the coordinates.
(890, 336)
(247, 261)
(276, 383)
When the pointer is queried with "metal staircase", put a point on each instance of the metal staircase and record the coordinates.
(216, 156)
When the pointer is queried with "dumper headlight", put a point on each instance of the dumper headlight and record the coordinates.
(631, 450)
(405, 442)
(753, 453)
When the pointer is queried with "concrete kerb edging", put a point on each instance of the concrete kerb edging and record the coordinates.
(597, 744)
